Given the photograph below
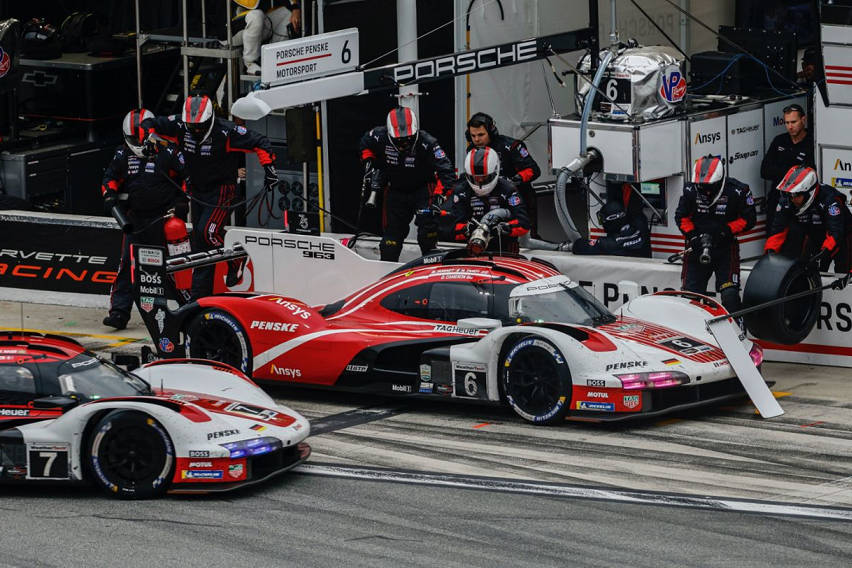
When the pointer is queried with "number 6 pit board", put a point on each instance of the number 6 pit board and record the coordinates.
(309, 57)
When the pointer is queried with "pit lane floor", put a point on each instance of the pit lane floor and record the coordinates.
(801, 458)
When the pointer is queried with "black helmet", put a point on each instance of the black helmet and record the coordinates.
(612, 216)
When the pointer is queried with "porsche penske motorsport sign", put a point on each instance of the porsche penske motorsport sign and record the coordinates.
(309, 57)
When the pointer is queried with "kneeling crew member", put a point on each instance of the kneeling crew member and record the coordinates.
(622, 238)
(481, 191)
(811, 221)
(714, 209)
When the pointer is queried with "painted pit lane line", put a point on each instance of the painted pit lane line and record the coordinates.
(356, 417)
(565, 491)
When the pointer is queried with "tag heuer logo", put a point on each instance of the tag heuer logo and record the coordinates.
(146, 303)
(631, 401)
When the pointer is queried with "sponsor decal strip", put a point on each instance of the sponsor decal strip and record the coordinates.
(566, 491)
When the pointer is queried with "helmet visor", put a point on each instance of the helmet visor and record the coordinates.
(484, 179)
(199, 129)
(709, 189)
(404, 143)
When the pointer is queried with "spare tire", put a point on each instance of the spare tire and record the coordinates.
(773, 277)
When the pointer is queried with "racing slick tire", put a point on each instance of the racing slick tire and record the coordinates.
(776, 276)
(217, 335)
(130, 455)
(536, 381)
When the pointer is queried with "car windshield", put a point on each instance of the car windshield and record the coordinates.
(95, 378)
(555, 299)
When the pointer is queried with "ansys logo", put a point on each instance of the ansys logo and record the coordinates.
(841, 166)
(710, 138)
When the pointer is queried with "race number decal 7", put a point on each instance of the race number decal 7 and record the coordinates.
(47, 461)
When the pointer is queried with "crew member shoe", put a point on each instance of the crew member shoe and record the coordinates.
(252, 69)
(116, 319)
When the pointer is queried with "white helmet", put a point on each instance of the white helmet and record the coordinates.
(708, 175)
(481, 168)
(197, 115)
(134, 134)
(402, 128)
(800, 179)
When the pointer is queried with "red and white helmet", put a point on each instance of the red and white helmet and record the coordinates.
(708, 176)
(134, 134)
(800, 180)
(198, 116)
(481, 168)
(402, 128)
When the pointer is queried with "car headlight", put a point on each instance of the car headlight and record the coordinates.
(253, 447)
(652, 380)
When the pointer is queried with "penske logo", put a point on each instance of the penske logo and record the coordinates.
(274, 326)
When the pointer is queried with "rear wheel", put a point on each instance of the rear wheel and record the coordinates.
(536, 381)
(130, 455)
(217, 335)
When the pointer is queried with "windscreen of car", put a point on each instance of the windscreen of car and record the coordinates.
(441, 301)
(555, 299)
(94, 378)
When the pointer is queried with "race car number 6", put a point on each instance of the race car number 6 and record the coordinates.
(470, 384)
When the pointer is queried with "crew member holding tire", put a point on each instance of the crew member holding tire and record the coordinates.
(405, 161)
(713, 209)
(516, 162)
(151, 183)
(212, 148)
(811, 222)
(483, 190)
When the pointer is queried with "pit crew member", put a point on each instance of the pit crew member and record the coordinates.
(212, 148)
(483, 190)
(623, 236)
(713, 209)
(811, 222)
(151, 182)
(516, 162)
(405, 161)
(792, 148)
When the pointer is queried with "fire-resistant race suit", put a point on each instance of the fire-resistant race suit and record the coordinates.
(825, 225)
(212, 166)
(518, 166)
(410, 178)
(152, 185)
(623, 236)
(468, 206)
(729, 214)
(782, 155)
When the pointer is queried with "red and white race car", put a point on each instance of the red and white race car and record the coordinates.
(499, 329)
(183, 426)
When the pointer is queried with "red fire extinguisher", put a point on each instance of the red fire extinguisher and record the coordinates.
(177, 242)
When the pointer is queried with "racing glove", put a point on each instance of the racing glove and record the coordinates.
(151, 145)
(725, 233)
(516, 179)
(270, 177)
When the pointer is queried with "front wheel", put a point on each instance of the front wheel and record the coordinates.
(130, 455)
(536, 381)
(217, 335)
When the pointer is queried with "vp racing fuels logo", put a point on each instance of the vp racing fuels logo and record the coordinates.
(673, 88)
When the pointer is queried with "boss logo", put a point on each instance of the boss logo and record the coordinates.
(146, 278)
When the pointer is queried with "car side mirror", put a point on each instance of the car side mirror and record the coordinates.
(129, 362)
(479, 323)
(53, 402)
